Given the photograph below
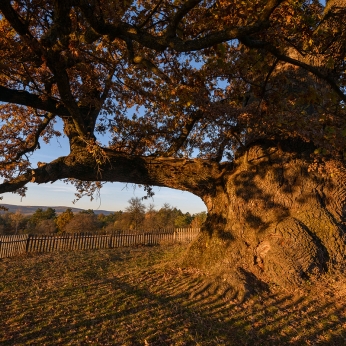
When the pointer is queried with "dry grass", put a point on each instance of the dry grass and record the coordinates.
(139, 297)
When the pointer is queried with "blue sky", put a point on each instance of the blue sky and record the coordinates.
(113, 196)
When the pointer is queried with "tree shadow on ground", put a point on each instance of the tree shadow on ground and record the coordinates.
(169, 307)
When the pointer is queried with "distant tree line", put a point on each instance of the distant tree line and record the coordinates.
(135, 217)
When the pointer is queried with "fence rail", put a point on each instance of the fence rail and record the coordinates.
(12, 245)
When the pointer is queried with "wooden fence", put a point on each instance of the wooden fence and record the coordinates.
(12, 245)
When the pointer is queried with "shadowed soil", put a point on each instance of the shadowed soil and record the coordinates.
(142, 297)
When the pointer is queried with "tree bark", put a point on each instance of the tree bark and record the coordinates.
(92, 163)
(271, 220)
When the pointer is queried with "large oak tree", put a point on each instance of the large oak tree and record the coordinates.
(241, 103)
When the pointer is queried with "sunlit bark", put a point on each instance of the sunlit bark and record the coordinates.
(258, 85)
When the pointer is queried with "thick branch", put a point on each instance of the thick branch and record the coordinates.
(62, 24)
(15, 184)
(19, 26)
(25, 98)
(183, 10)
(197, 176)
(63, 83)
(247, 41)
(269, 9)
(128, 32)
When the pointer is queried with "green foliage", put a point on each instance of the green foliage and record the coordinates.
(41, 214)
(88, 211)
(183, 220)
(110, 218)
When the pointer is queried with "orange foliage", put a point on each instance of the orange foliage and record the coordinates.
(170, 78)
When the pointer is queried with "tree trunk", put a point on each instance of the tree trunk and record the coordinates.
(271, 220)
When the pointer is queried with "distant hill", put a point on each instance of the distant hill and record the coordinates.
(28, 210)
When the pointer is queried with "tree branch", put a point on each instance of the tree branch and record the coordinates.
(63, 84)
(146, 63)
(61, 27)
(183, 174)
(25, 98)
(178, 142)
(35, 143)
(183, 10)
(269, 8)
(127, 32)
(21, 28)
(152, 12)
(247, 41)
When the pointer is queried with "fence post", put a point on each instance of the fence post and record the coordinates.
(110, 241)
(27, 243)
(78, 241)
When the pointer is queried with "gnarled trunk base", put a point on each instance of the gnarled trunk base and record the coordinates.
(272, 221)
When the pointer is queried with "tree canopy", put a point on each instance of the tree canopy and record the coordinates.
(165, 80)
(136, 217)
(241, 103)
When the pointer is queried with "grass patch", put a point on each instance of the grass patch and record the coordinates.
(140, 297)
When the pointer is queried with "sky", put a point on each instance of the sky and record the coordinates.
(113, 196)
